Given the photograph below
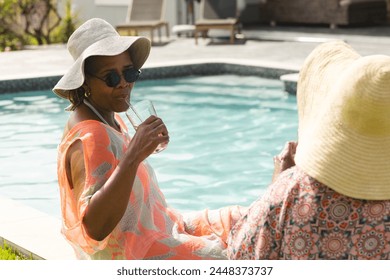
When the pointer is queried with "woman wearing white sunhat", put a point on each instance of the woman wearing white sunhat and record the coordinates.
(335, 203)
(112, 207)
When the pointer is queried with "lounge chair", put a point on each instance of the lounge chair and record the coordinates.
(145, 15)
(217, 14)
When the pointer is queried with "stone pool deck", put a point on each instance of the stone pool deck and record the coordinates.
(264, 50)
(283, 48)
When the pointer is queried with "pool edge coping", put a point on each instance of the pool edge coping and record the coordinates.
(176, 69)
(32, 233)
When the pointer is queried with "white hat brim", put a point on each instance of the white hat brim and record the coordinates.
(139, 48)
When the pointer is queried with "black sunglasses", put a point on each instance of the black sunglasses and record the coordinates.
(112, 79)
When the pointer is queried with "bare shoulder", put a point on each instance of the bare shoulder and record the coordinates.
(80, 114)
(74, 156)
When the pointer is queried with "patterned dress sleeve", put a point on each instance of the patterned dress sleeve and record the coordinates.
(258, 235)
(101, 151)
(218, 222)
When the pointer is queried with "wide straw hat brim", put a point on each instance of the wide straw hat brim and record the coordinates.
(322, 65)
(104, 45)
(347, 147)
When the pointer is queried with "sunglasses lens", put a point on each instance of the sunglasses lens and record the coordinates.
(131, 75)
(113, 79)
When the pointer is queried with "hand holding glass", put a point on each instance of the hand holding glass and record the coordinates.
(138, 113)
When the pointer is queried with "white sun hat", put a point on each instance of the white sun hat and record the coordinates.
(97, 37)
(344, 137)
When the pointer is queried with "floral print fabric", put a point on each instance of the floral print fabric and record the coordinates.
(300, 218)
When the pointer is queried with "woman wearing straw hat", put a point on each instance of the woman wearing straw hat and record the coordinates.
(335, 203)
(112, 207)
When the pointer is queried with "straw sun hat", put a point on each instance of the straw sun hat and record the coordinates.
(98, 37)
(344, 115)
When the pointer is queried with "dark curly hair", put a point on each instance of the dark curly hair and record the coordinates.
(77, 96)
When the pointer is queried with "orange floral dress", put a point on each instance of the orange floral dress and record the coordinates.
(149, 229)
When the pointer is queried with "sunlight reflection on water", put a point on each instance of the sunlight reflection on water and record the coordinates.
(224, 131)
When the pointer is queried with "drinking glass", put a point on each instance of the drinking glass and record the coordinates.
(138, 113)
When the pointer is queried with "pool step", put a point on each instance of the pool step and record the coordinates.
(290, 82)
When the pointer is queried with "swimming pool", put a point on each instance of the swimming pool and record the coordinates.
(224, 131)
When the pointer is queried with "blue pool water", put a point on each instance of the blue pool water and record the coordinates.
(224, 131)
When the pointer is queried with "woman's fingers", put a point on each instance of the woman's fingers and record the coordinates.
(150, 134)
(158, 127)
(287, 156)
(156, 124)
(285, 159)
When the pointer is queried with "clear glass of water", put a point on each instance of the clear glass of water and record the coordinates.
(138, 113)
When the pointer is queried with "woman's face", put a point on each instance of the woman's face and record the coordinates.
(104, 97)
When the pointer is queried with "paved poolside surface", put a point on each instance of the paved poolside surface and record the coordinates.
(280, 47)
(285, 47)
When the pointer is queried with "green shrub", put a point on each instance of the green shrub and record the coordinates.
(33, 22)
(68, 24)
(6, 253)
(9, 42)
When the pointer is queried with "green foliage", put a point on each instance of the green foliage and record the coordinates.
(6, 253)
(68, 25)
(33, 22)
(9, 40)
(7, 6)
(39, 18)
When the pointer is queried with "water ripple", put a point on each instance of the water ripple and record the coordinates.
(224, 131)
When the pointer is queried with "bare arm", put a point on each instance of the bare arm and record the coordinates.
(109, 203)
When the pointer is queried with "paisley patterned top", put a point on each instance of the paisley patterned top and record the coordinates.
(149, 228)
(300, 218)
